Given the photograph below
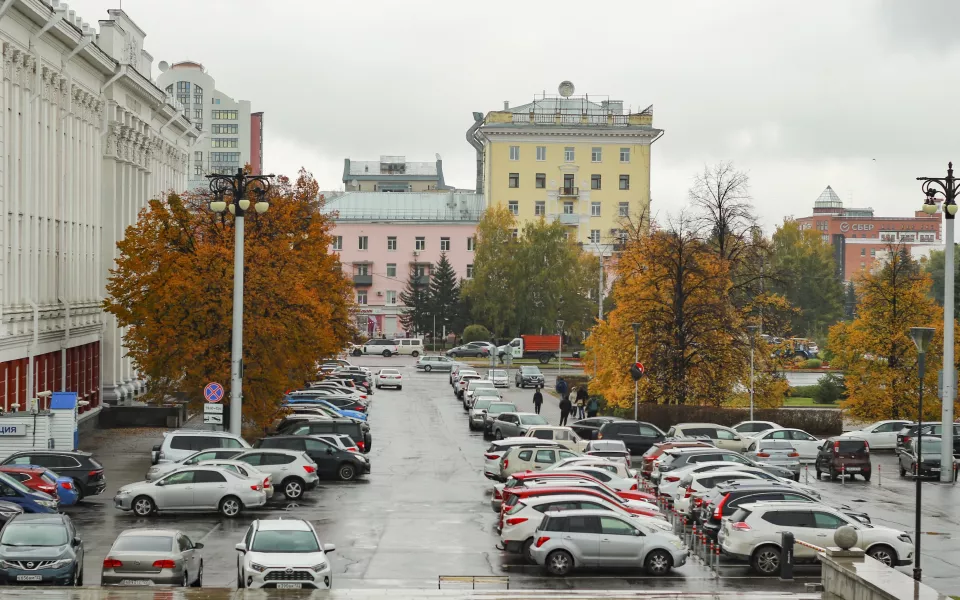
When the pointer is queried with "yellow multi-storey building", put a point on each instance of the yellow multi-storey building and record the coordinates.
(581, 160)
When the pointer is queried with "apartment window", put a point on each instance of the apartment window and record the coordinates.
(198, 169)
(198, 155)
(214, 100)
(863, 251)
(624, 209)
(183, 86)
(624, 155)
(595, 236)
(471, 242)
(197, 113)
(515, 233)
(392, 242)
(873, 253)
(225, 129)
(224, 115)
(338, 242)
(540, 208)
(514, 152)
(197, 94)
(420, 270)
(391, 269)
(596, 155)
(224, 143)
(362, 297)
(568, 154)
(514, 207)
(170, 89)
(594, 209)
(391, 297)
(363, 269)
(541, 153)
(568, 208)
(594, 182)
(444, 244)
(541, 181)
(225, 157)
(469, 271)
(421, 243)
(363, 242)
(183, 99)
(624, 182)
(514, 180)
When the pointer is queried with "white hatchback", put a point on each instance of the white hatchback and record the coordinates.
(283, 554)
(805, 444)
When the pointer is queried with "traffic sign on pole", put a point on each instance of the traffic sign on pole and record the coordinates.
(637, 370)
(213, 392)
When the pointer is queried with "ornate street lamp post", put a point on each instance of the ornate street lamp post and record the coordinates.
(921, 337)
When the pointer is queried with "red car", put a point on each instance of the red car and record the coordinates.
(32, 477)
(658, 449)
(513, 495)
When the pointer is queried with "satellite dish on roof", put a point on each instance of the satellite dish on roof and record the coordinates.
(566, 89)
(163, 66)
(354, 182)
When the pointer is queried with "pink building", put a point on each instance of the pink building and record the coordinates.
(383, 237)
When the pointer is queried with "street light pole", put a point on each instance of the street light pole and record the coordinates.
(921, 337)
(636, 359)
(752, 331)
(238, 186)
(560, 348)
(945, 187)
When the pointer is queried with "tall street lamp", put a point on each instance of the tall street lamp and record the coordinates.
(636, 359)
(752, 331)
(560, 348)
(945, 187)
(238, 187)
(921, 337)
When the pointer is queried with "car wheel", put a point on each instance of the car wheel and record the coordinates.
(427, 368)
(240, 582)
(293, 488)
(766, 560)
(78, 578)
(230, 507)
(199, 581)
(884, 554)
(415, 354)
(833, 474)
(346, 472)
(525, 550)
(357, 353)
(377, 386)
(866, 476)
(818, 471)
(143, 506)
(497, 435)
(399, 387)
(658, 562)
(559, 562)
(796, 477)
(386, 354)
(903, 472)
(186, 579)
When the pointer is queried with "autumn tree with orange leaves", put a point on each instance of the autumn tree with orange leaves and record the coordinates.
(172, 292)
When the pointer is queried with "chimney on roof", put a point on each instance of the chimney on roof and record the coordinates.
(506, 105)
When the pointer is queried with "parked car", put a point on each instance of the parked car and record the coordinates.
(675, 458)
(654, 454)
(334, 407)
(153, 557)
(389, 378)
(589, 428)
(561, 478)
(515, 424)
(294, 472)
(930, 459)
(340, 440)
(499, 378)
(694, 486)
(612, 450)
(722, 437)
(562, 435)
(244, 470)
(474, 349)
(41, 550)
(520, 459)
(463, 380)
(936, 429)
(496, 450)
(473, 385)
(881, 435)
(844, 456)
(805, 444)
(753, 534)
(493, 411)
(82, 467)
(331, 460)
(748, 428)
(283, 553)
(610, 478)
(434, 363)
(181, 443)
(32, 477)
(386, 348)
(457, 369)
(513, 496)
(478, 412)
(8, 510)
(358, 432)
(615, 468)
(28, 500)
(192, 489)
(574, 539)
(528, 376)
(159, 470)
(637, 436)
(780, 453)
(410, 346)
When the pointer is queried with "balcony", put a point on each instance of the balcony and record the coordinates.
(363, 280)
(566, 218)
(569, 192)
(421, 280)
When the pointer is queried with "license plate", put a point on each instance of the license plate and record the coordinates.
(136, 582)
(936, 470)
(29, 578)
(289, 586)
(853, 469)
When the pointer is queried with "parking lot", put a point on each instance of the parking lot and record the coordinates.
(423, 512)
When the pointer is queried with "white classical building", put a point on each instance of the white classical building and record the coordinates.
(86, 139)
(224, 123)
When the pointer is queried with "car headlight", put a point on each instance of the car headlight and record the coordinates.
(257, 568)
(903, 537)
(8, 565)
(123, 493)
(59, 564)
(47, 503)
(319, 567)
(677, 544)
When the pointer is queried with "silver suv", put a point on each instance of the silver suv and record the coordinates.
(435, 363)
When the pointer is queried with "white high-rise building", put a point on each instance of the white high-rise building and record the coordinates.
(224, 123)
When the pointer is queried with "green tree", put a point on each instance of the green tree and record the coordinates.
(490, 292)
(805, 273)
(476, 333)
(850, 302)
(444, 302)
(415, 316)
(935, 267)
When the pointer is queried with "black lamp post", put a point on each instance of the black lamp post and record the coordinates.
(921, 337)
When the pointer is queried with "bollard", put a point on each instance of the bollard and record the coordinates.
(693, 539)
(786, 556)
(879, 476)
(703, 548)
(712, 551)
(806, 474)
(843, 474)
(717, 560)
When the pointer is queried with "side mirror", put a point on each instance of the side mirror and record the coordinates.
(160, 483)
(328, 548)
(637, 532)
(329, 450)
(75, 542)
(241, 548)
(198, 546)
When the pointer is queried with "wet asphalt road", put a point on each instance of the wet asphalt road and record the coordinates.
(424, 512)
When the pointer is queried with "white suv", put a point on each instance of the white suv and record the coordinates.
(180, 444)
(283, 554)
(753, 534)
(382, 347)
(293, 471)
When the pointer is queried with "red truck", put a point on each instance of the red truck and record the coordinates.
(542, 347)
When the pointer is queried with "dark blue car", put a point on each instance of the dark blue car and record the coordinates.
(29, 500)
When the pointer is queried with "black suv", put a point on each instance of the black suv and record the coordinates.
(528, 375)
(590, 427)
(332, 461)
(636, 435)
(358, 432)
(40, 550)
(81, 466)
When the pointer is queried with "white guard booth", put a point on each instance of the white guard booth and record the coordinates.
(47, 429)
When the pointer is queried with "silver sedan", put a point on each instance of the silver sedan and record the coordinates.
(193, 489)
(153, 557)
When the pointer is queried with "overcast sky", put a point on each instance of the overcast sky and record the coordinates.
(860, 95)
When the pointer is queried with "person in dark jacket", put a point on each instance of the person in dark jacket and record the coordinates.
(537, 400)
(581, 401)
(593, 407)
(565, 407)
(562, 388)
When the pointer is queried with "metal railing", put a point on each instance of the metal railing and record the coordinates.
(569, 191)
(473, 580)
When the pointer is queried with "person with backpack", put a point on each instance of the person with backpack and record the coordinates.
(562, 388)
(593, 407)
(537, 400)
(565, 407)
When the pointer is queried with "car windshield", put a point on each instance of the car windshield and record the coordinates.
(482, 403)
(34, 534)
(530, 370)
(285, 541)
(16, 485)
(498, 373)
(143, 543)
(499, 407)
(389, 372)
(930, 446)
(532, 420)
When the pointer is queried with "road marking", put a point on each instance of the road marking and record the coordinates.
(212, 529)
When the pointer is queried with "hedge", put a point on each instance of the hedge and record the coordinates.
(814, 421)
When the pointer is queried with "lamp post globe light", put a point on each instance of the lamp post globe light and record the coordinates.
(239, 187)
(945, 188)
(921, 337)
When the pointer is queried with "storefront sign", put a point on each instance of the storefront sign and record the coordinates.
(845, 226)
(12, 429)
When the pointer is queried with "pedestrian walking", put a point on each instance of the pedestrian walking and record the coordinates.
(582, 400)
(564, 410)
(537, 400)
(562, 388)
(579, 405)
(593, 407)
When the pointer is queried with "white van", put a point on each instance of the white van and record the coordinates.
(410, 346)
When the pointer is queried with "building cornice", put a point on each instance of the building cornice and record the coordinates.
(643, 136)
(67, 34)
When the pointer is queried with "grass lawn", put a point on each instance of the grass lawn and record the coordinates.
(806, 402)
